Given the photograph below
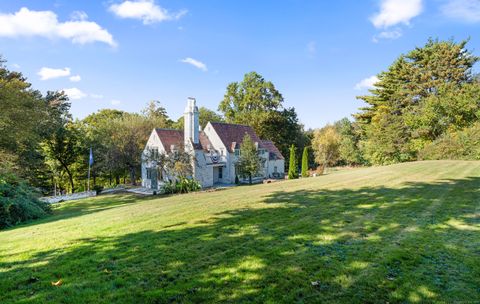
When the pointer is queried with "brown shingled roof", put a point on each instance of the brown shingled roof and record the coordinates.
(232, 135)
(170, 137)
(273, 151)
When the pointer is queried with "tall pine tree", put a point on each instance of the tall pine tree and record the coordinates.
(392, 123)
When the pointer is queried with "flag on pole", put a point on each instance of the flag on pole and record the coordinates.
(90, 160)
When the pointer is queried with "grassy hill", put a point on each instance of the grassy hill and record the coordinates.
(401, 233)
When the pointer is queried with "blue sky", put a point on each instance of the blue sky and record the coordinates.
(319, 54)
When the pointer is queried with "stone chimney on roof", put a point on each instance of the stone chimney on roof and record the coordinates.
(191, 124)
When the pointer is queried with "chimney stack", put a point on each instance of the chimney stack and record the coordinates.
(191, 124)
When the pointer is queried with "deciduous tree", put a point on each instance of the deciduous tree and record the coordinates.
(249, 162)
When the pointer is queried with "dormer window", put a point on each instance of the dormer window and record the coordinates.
(237, 152)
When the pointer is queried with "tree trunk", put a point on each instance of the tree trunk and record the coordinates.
(250, 178)
(132, 176)
(70, 178)
(117, 179)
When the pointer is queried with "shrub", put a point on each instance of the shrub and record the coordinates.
(183, 185)
(462, 145)
(18, 202)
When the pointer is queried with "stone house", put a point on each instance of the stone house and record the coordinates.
(215, 151)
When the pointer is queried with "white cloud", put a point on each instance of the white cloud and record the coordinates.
(16, 65)
(198, 64)
(366, 83)
(75, 78)
(464, 10)
(115, 102)
(74, 93)
(145, 10)
(29, 23)
(49, 73)
(96, 96)
(394, 34)
(394, 12)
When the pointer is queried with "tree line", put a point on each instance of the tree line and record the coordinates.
(426, 105)
(45, 146)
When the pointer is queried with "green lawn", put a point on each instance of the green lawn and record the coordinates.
(402, 233)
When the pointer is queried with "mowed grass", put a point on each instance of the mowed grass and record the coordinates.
(401, 233)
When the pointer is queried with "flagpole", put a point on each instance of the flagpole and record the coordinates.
(88, 187)
(90, 160)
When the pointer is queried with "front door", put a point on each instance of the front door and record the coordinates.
(215, 175)
(154, 182)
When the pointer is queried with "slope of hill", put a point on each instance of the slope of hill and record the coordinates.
(401, 233)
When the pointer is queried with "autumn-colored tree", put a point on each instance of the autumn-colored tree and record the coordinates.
(326, 144)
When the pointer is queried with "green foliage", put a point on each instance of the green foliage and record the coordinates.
(349, 148)
(284, 129)
(257, 103)
(27, 118)
(464, 144)
(18, 201)
(305, 162)
(244, 102)
(292, 164)
(182, 185)
(424, 93)
(249, 162)
(63, 150)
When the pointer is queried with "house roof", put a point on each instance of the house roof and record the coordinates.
(273, 151)
(232, 135)
(170, 137)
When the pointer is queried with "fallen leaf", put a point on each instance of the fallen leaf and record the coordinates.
(57, 283)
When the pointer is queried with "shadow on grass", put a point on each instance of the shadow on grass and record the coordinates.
(418, 243)
(70, 209)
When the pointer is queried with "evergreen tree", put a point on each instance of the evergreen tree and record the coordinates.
(292, 168)
(405, 109)
(305, 162)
